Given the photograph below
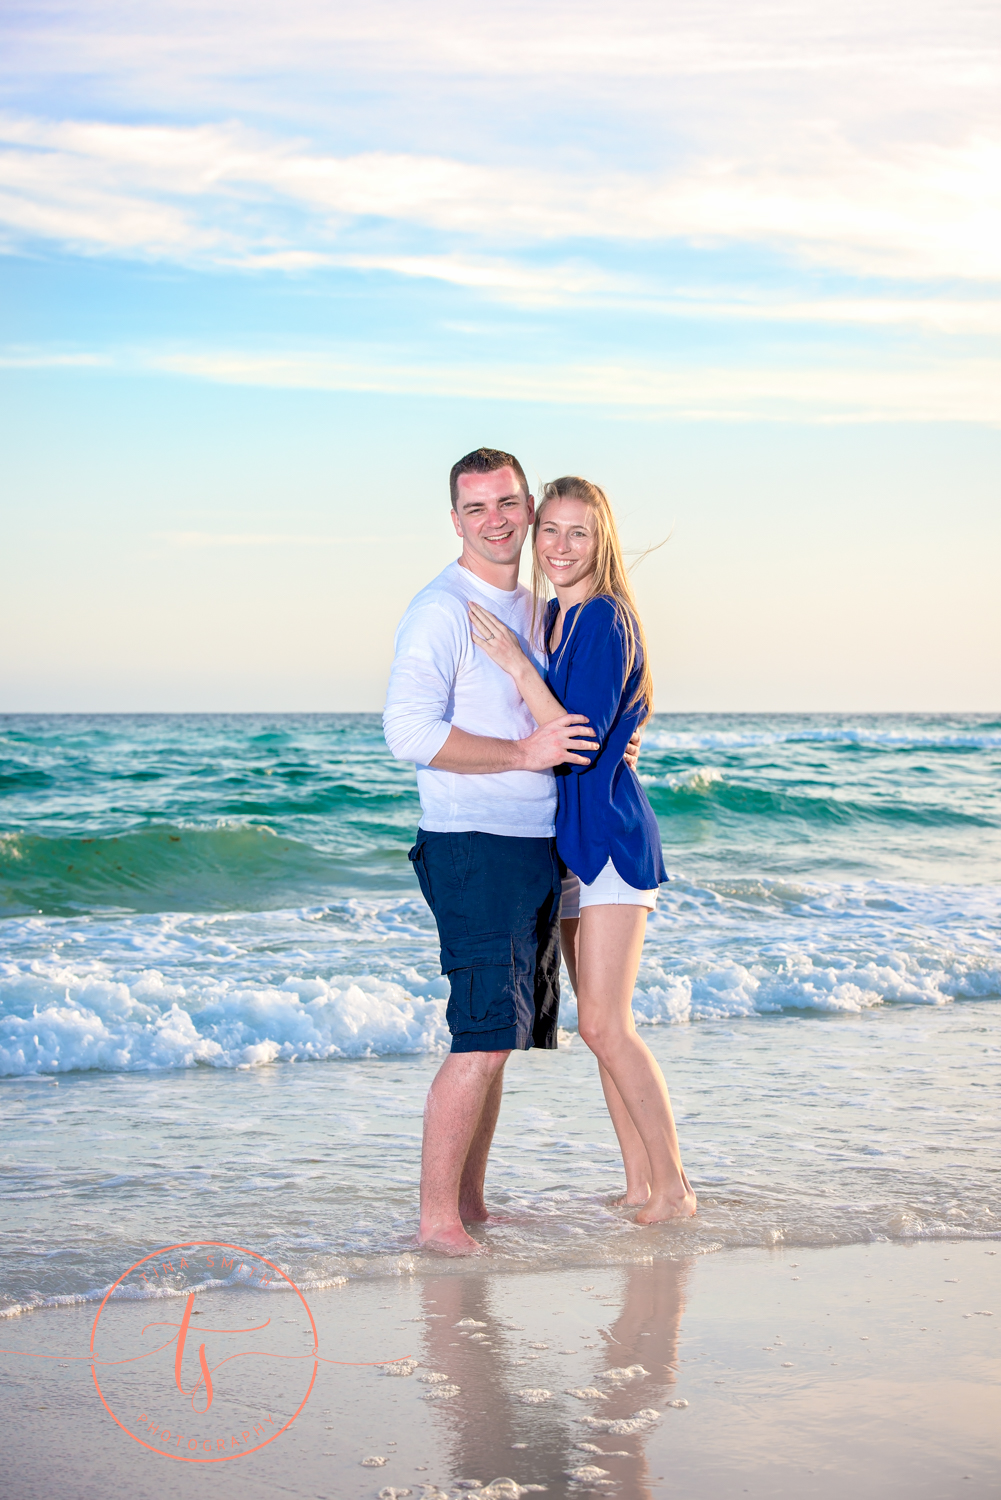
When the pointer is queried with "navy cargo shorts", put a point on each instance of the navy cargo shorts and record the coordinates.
(496, 901)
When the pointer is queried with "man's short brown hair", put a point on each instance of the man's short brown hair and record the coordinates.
(484, 461)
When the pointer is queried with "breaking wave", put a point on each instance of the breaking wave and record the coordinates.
(227, 992)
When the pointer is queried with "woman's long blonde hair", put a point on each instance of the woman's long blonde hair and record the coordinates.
(608, 578)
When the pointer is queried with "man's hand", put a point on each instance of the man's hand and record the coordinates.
(631, 754)
(558, 743)
(554, 744)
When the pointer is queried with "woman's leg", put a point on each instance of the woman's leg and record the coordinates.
(609, 942)
(634, 1157)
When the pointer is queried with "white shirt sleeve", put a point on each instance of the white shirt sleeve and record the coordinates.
(429, 651)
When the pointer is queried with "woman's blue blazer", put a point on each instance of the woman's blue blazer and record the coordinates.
(603, 812)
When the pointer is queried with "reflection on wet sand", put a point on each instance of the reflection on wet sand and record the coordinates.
(538, 1414)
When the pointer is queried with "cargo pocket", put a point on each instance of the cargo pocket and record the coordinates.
(481, 976)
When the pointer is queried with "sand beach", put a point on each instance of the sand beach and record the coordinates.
(867, 1370)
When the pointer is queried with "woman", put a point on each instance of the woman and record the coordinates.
(606, 832)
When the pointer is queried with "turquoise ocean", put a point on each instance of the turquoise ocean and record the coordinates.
(221, 1006)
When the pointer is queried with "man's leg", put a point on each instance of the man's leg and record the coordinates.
(471, 1201)
(453, 1120)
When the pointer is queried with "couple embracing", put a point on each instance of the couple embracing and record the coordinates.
(492, 690)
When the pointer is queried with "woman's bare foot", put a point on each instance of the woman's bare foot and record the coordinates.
(452, 1240)
(631, 1198)
(663, 1206)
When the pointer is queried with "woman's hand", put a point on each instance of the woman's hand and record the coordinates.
(503, 647)
(500, 643)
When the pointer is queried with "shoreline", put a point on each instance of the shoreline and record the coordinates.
(414, 1262)
(794, 1132)
(803, 1371)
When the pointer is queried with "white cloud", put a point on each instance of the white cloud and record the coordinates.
(223, 193)
(39, 359)
(525, 284)
(201, 539)
(858, 137)
(920, 43)
(945, 391)
(929, 390)
(949, 315)
(581, 285)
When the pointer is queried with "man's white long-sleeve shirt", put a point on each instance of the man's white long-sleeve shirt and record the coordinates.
(440, 677)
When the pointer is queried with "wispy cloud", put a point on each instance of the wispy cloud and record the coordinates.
(203, 539)
(947, 391)
(573, 284)
(843, 166)
(917, 45)
(525, 285)
(52, 359)
(959, 389)
(951, 315)
(589, 222)
(222, 194)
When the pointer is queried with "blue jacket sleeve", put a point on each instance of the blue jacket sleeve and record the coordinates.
(596, 671)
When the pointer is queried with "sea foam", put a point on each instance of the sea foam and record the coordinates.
(863, 735)
(63, 1021)
(213, 991)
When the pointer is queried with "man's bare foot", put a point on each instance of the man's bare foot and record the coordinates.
(480, 1214)
(663, 1206)
(452, 1240)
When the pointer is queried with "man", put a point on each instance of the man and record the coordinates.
(485, 854)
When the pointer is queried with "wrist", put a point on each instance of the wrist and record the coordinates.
(519, 755)
(523, 674)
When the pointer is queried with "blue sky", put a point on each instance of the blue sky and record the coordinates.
(268, 271)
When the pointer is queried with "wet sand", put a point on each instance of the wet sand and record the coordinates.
(872, 1370)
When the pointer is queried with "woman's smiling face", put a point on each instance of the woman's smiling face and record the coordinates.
(565, 542)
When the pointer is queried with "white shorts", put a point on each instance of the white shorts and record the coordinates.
(607, 889)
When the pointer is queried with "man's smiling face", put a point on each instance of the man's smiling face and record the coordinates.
(493, 515)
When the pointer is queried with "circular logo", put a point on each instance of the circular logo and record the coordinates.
(204, 1352)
